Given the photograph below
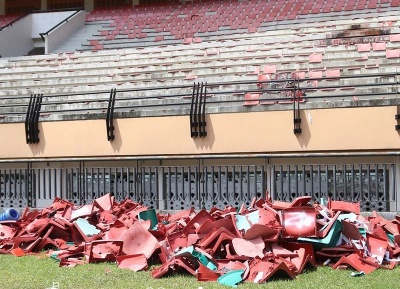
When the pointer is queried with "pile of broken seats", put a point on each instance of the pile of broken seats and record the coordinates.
(226, 245)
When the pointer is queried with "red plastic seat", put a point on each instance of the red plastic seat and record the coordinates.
(315, 58)
(379, 46)
(251, 99)
(392, 53)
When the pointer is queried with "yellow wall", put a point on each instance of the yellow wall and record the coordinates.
(349, 129)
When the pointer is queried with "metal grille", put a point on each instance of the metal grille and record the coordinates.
(371, 184)
(212, 186)
(13, 188)
(176, 188)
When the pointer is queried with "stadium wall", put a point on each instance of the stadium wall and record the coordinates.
(324, 130)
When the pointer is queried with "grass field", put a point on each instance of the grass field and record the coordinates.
(40, 272)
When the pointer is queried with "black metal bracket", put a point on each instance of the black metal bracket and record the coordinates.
(296, 108)
(32, 118)
(198, 110)
(110, 115)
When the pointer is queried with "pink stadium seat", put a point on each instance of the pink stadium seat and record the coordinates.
(251, 99)
(187, 40)
(159, 38)
(269, 69)
(315, 74)
(395, 38)
(379, 46)
(364, 47)
(392, 53)
(261, 78)
(197, 40)
(332, 73)
(299, 74)
(190, 77)
(315, 58)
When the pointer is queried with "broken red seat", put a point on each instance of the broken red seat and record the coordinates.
(344, 206)
(324, 231)
(37, 225)
(298, 202)
(211, 243)
(177, 240)
(132, 262)
(174, 264)
(262, 270)
(206, 274)
(115, 232)
(180, 215)
(267, 233)
(357, 263)
(196, 221)
(71, 262)
(249, 248)
(350, 231)
(103, 250)
(299, 222)
(26, 242)
(376, 247)
(300, 261)
(309, 250)
(137, 240)
(282, 252)
(226, 265)
(208, 225)
(230, 254)
(338, 251)
(7, 231)
(83, 211)
(104, 203)
(78, 235)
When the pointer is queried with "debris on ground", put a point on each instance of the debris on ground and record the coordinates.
(224, 245)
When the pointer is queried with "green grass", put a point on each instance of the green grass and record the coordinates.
(40, 272)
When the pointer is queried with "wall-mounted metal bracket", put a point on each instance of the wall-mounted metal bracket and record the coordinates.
(110, 115)
(296, 109)
(32, 118)
(198, 110)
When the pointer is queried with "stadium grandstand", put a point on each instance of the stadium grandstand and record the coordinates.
(200, 103)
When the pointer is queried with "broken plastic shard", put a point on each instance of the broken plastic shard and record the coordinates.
(357, 274)
(249, 248)
(87, 228)
(231, 278)
(191, 253)
(329, 241)
(149, 215)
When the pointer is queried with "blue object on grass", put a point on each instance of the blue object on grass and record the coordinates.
(9, 215)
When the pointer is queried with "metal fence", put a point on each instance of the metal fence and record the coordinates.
(180, 187)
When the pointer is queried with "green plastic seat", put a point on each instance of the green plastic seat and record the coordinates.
(231, 278)
(149, 215)
(330, 240)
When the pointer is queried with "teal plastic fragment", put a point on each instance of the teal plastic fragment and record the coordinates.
(149, 215)
(357, 274)
(191, 252)
(231, 278)
(390, 237)
(363, 232)
(55, 257)
(329, 241)
(87, 228)
(323, 202)
(242, 222)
